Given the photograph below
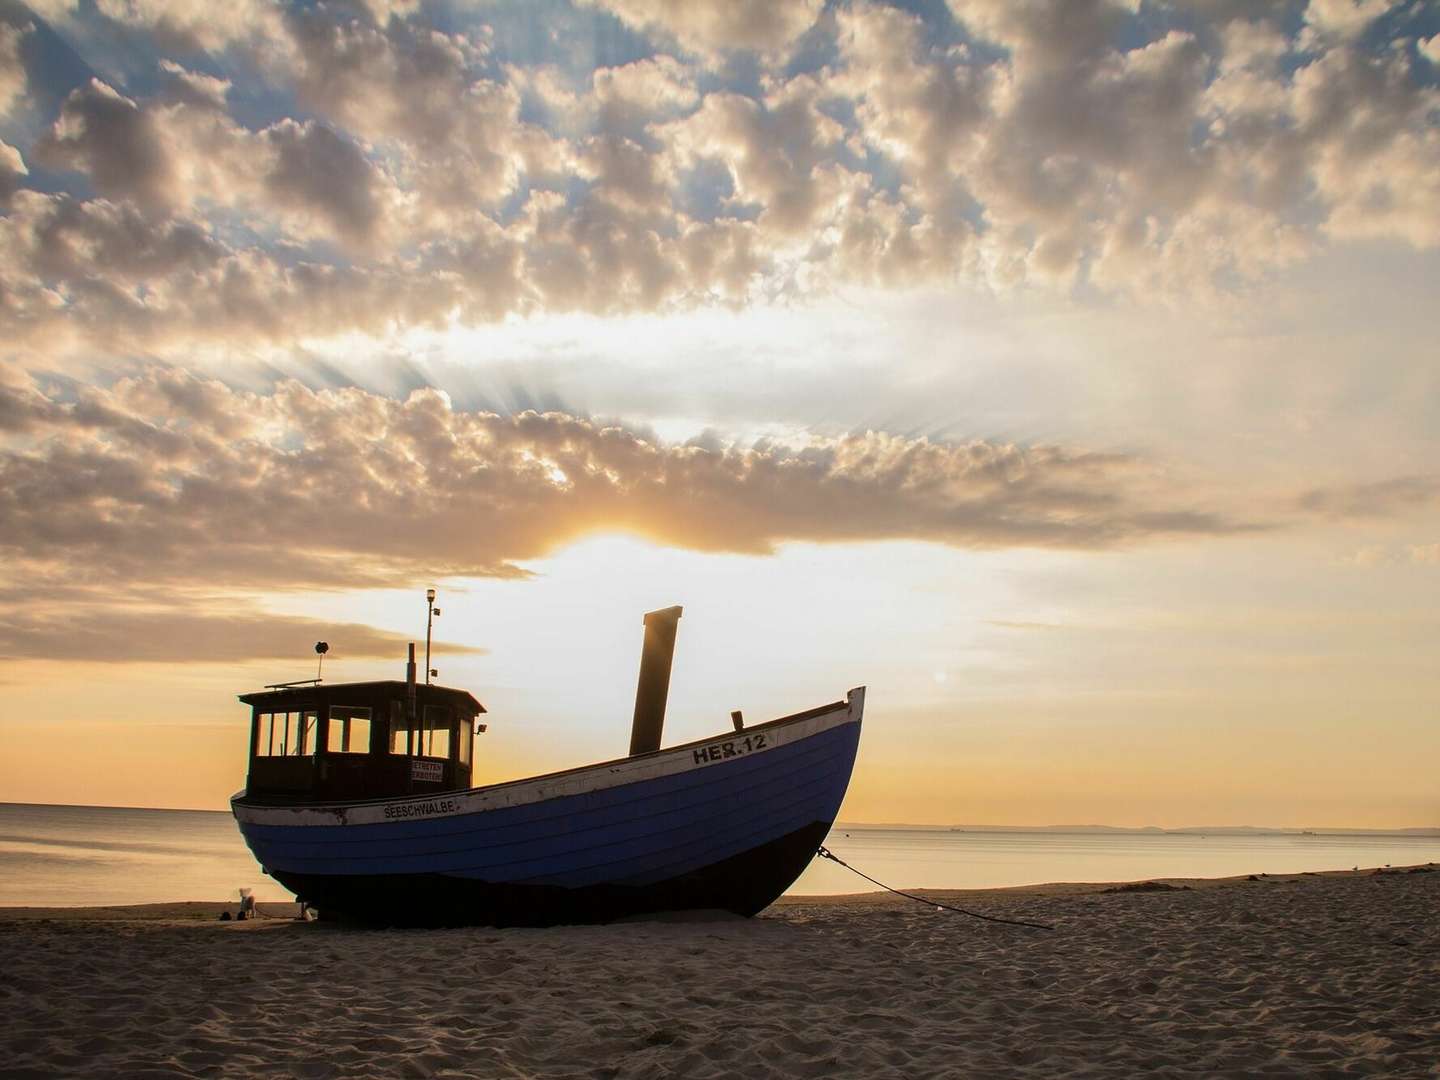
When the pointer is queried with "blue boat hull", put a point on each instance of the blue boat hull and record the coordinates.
(744, 884)
(725, 823)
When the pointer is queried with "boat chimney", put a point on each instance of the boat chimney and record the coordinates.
(654, 685)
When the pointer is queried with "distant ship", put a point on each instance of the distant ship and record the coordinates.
(358, 800)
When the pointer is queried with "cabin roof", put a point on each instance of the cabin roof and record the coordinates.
(294, 697)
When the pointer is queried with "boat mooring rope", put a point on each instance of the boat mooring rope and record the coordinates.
(826, 853)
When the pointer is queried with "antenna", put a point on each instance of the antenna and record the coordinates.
(431, 613)
(321, 648)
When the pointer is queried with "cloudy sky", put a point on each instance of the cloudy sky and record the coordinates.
(1066, 372)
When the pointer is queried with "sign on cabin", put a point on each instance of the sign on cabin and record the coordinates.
(427, 770)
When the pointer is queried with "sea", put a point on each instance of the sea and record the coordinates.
(80, 856)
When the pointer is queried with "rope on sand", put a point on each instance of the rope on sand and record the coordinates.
(826, 853)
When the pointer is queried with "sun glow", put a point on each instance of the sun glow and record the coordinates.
(768, 634)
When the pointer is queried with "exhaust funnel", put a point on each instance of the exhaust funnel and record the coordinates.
(654, 685)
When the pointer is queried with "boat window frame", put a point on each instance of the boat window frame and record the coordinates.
(412, 741)
(307, 725)
(464, 738)
(344, 716)
(302, 724)
(399, 726)
(427, 728)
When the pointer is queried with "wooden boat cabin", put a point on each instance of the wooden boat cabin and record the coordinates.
(367, 740)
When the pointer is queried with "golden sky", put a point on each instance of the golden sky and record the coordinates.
(1064, 372)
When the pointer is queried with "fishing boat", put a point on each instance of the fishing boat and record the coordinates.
(358, 800)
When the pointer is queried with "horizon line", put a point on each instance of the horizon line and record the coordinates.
(945, 827)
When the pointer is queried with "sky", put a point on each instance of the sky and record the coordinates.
(1066, 373)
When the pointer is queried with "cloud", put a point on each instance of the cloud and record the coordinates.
(425, 175)
(1344, 20)
(1180, 161)
(1373, 555)
(318, 172)
(12, 170)
(708, 29)
(644, 89)
(181, 631)
(779, 153)
(196, 24)
(82, 273)
(12, 68)
(1090, 162)
(453, 135)
(1373, 499)
(927, 115)
(622, 100)
(193, 88)
(167, 479)
(1370, 555)
(183, 152)
(109, 138)
(1376, 149)
(1427, 554)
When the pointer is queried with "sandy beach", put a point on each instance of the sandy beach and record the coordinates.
(1298, 975)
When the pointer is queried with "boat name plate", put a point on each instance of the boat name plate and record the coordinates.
(424, 809)
(729, 748)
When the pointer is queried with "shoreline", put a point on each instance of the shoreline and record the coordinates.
(190, 911)
(1313, 974)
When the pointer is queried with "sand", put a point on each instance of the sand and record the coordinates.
(1297, 975)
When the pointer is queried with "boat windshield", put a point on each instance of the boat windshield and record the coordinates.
(285, 734)
(430, 736)
(349, 731)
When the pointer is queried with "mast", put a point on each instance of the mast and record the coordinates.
(430, 612)
(410, 702)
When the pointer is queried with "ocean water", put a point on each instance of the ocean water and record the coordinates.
(76, 856)
(911, 858)
(57, 856)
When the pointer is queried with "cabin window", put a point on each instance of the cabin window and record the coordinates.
(399, 731)
(436, 731)
(285, 734)
(349, 730)
(465, 739)
(431, 736)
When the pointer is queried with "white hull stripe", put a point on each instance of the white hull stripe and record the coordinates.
(680, 759)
